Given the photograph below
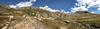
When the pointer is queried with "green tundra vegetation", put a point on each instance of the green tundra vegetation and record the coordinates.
(36, 18)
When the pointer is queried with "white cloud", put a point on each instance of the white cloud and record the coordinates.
(67, 12)
(29, 3)
(12, 6)
(85, 4)
(32, 0)
(49, 9)
(94, 3)
(52, 10)
(92, 12)
(98, 9)
(81, 8)
(90, 3)
(23, 4)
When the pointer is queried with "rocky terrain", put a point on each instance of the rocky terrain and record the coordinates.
(35, 18)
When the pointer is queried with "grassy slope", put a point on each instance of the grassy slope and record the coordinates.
(49, 19)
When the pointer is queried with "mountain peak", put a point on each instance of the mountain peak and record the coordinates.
(80, 12)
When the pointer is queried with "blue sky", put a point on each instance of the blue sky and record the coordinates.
(67, 5)
(57, 4)
(54, 4)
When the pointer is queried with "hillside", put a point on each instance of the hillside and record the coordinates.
(35, 18)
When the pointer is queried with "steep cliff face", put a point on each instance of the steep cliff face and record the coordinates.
(34, 18)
